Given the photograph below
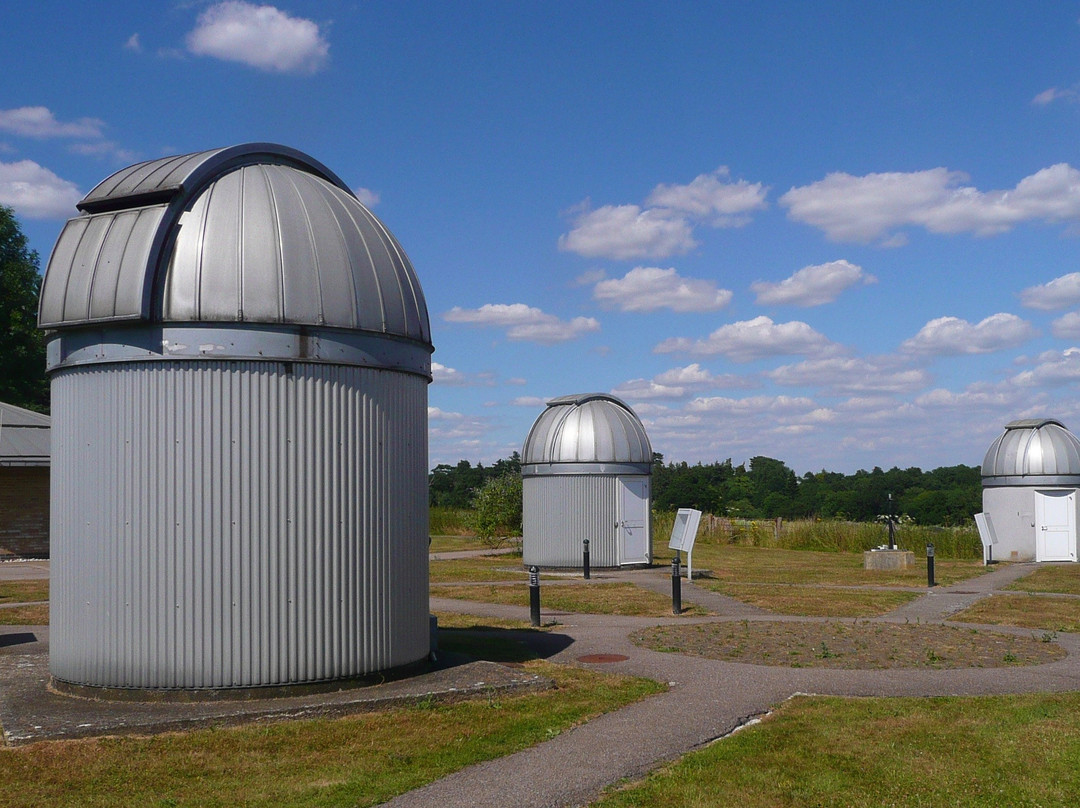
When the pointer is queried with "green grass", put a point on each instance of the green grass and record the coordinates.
(361, 760)
(1036, 612)
(479, 568)
(814, 601)
(24, 591)
(1061, 579)
(982, 752)
(583, 598)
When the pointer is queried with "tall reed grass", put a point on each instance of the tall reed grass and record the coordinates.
(828, 535)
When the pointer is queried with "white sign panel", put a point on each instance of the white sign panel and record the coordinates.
(684, 531)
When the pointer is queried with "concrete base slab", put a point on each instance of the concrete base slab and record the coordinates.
(888, 559)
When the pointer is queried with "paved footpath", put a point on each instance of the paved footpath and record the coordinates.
(706, 700)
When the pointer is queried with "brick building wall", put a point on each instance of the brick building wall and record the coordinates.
(24, 511)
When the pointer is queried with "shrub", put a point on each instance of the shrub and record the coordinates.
(497, 507)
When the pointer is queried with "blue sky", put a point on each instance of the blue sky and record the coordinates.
(841, 234)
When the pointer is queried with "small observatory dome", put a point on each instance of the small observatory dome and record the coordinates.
(1033, 452)
(239, 354)
(586, 471)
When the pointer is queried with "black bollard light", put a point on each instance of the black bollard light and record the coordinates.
(534, 595)
(585, 558)
(930, 565)
(676, 585)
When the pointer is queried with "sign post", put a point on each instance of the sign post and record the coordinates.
(683, 534)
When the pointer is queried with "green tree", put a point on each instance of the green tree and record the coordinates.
(22, 346)
(498, 506)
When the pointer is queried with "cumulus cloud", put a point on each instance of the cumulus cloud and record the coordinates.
(712, 199)
(1053, 369)
(636, 389)
(1067, 326)
(754, 339)
(35, 192)
(367, 196)
(664, 227)
(529, 401)
(812, 285)
(133, 43)
(875, 206)
(951, 335)
(1060, 293)
(263, 37)
(679, 382)
(753, 405)
(626, 231)
(523, 322)
(40, 123)
(651, 288)
(851, 375)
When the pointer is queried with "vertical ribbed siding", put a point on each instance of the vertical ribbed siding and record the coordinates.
(560, 511)
(237, 524)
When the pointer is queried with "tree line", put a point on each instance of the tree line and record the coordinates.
(766, 488)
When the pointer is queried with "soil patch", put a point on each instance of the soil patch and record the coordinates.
(854, 645)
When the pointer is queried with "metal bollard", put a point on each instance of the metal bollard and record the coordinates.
(534, 595)
(676, 585)
(930, 565)
(585, 558)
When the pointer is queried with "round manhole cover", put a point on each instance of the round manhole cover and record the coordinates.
(596, 659)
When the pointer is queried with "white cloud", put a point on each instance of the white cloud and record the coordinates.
(636, 389)
(1067, 326)
(367, 197)
(812, 285)
(752, 406)
(695, 377)
(851, 375)
(1053, 94)
(1060, 293)
(1053, 369)
(755, 339)
(39, 122)
(711, 199)
(626, 231)
(105, 149)
(133, 43)
(874, 206)
(951, 335)
(529, 401)
(524, 322)
(651, 288)
(35, 192)
(589, 277)
(665, 227)
(262, 37)
(450, 377)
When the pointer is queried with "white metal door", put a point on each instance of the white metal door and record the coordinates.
(633, 521)
(1055, 529)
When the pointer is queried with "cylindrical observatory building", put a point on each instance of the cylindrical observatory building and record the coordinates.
(239, 354)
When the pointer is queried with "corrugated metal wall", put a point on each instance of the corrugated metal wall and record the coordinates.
(560, 511)
(235, 524)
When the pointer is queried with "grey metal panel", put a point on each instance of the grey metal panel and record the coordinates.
(237, 524)
(24, 437)
(1033, 452)
(558, 513)
(235, 341)
(590, 428)
(296, 249)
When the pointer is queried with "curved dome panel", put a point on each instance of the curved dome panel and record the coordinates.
(588, 429)
(1033, 452)
(257, 233)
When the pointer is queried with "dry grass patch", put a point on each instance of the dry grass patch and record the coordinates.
(474, 622)
(479, 568)
(1061, 579)
(979, 752)
(855, 645)
(815, 601)
(24, 591)
(357, 761)
(36, 615)
(1033, 611)
(583, 598)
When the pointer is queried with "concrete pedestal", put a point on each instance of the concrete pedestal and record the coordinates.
(888, 559)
